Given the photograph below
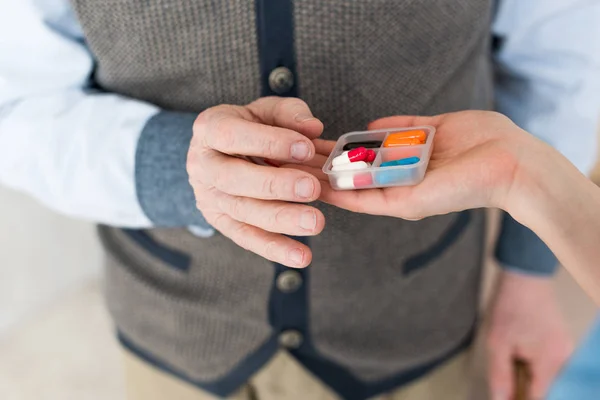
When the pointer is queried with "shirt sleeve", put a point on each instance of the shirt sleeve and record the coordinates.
(548, 82)
(88, 154)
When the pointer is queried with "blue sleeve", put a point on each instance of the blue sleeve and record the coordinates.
(162, 182)
(519, 249)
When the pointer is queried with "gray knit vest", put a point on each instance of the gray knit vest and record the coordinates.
(385, 294)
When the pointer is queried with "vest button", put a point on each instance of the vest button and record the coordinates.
(281, 80)
(289, 281)
(291, 339)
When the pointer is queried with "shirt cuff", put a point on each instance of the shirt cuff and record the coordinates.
(162, 182)
(520, 250)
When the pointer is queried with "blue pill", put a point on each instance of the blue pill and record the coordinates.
(391, 177)
(395, 176)
(404, 161)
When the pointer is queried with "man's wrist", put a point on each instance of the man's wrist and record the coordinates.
(162, 181)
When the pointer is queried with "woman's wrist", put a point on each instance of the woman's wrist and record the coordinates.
(557, 202)
(543, 186)
(530, 186)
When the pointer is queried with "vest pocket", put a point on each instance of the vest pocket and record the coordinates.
(201, 322)
(448, 238)
(173, 258)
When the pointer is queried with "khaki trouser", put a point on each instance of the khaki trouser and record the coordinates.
(283, 378)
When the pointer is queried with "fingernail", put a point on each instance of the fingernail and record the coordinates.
(305, 188)
(303, 117)
(300, 151)
(308, 220)
(296, 256)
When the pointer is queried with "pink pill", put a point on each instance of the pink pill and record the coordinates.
(355, 182)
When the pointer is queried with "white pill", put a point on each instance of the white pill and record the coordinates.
(345, 182)
(350, 166)
(341, 159)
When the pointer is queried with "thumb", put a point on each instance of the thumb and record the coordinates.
(287, 112)
(500, 374)
(402, 121)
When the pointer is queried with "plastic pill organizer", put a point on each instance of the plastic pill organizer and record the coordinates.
(400, 157)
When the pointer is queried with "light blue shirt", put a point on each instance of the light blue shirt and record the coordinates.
(75, 150)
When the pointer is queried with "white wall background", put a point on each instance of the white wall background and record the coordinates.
(56, 340)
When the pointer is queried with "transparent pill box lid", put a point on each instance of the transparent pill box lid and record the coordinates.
(376, 176)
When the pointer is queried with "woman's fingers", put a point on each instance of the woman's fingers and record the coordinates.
(315, 171)
(323, 147)
(403, 121)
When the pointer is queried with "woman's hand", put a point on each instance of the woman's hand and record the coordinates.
(476, 159)
(481, 159)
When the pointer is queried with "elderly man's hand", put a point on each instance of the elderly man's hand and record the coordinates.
(251, 204)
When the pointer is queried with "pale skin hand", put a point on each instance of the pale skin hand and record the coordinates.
(249, 203)
(482, 159)
(477, 158)
(473, 165)
(525, 324)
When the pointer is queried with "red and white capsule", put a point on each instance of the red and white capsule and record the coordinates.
(354, 182)
(350, 166)
(350, 156)
(370, 156)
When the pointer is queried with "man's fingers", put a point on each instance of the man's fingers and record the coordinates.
(272, 246)
(273, 216)
(500, 372)
(238, 177)
(287, 112)
(237, 136)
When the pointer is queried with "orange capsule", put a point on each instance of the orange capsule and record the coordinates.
(406, 138)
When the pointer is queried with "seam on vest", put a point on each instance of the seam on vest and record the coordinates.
(275, 29)
(176, 259)
(452, 235)
(290, 310)
(222, 387)
(344, 383)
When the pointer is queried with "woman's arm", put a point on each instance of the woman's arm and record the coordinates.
(482, 159)
(552, 198)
